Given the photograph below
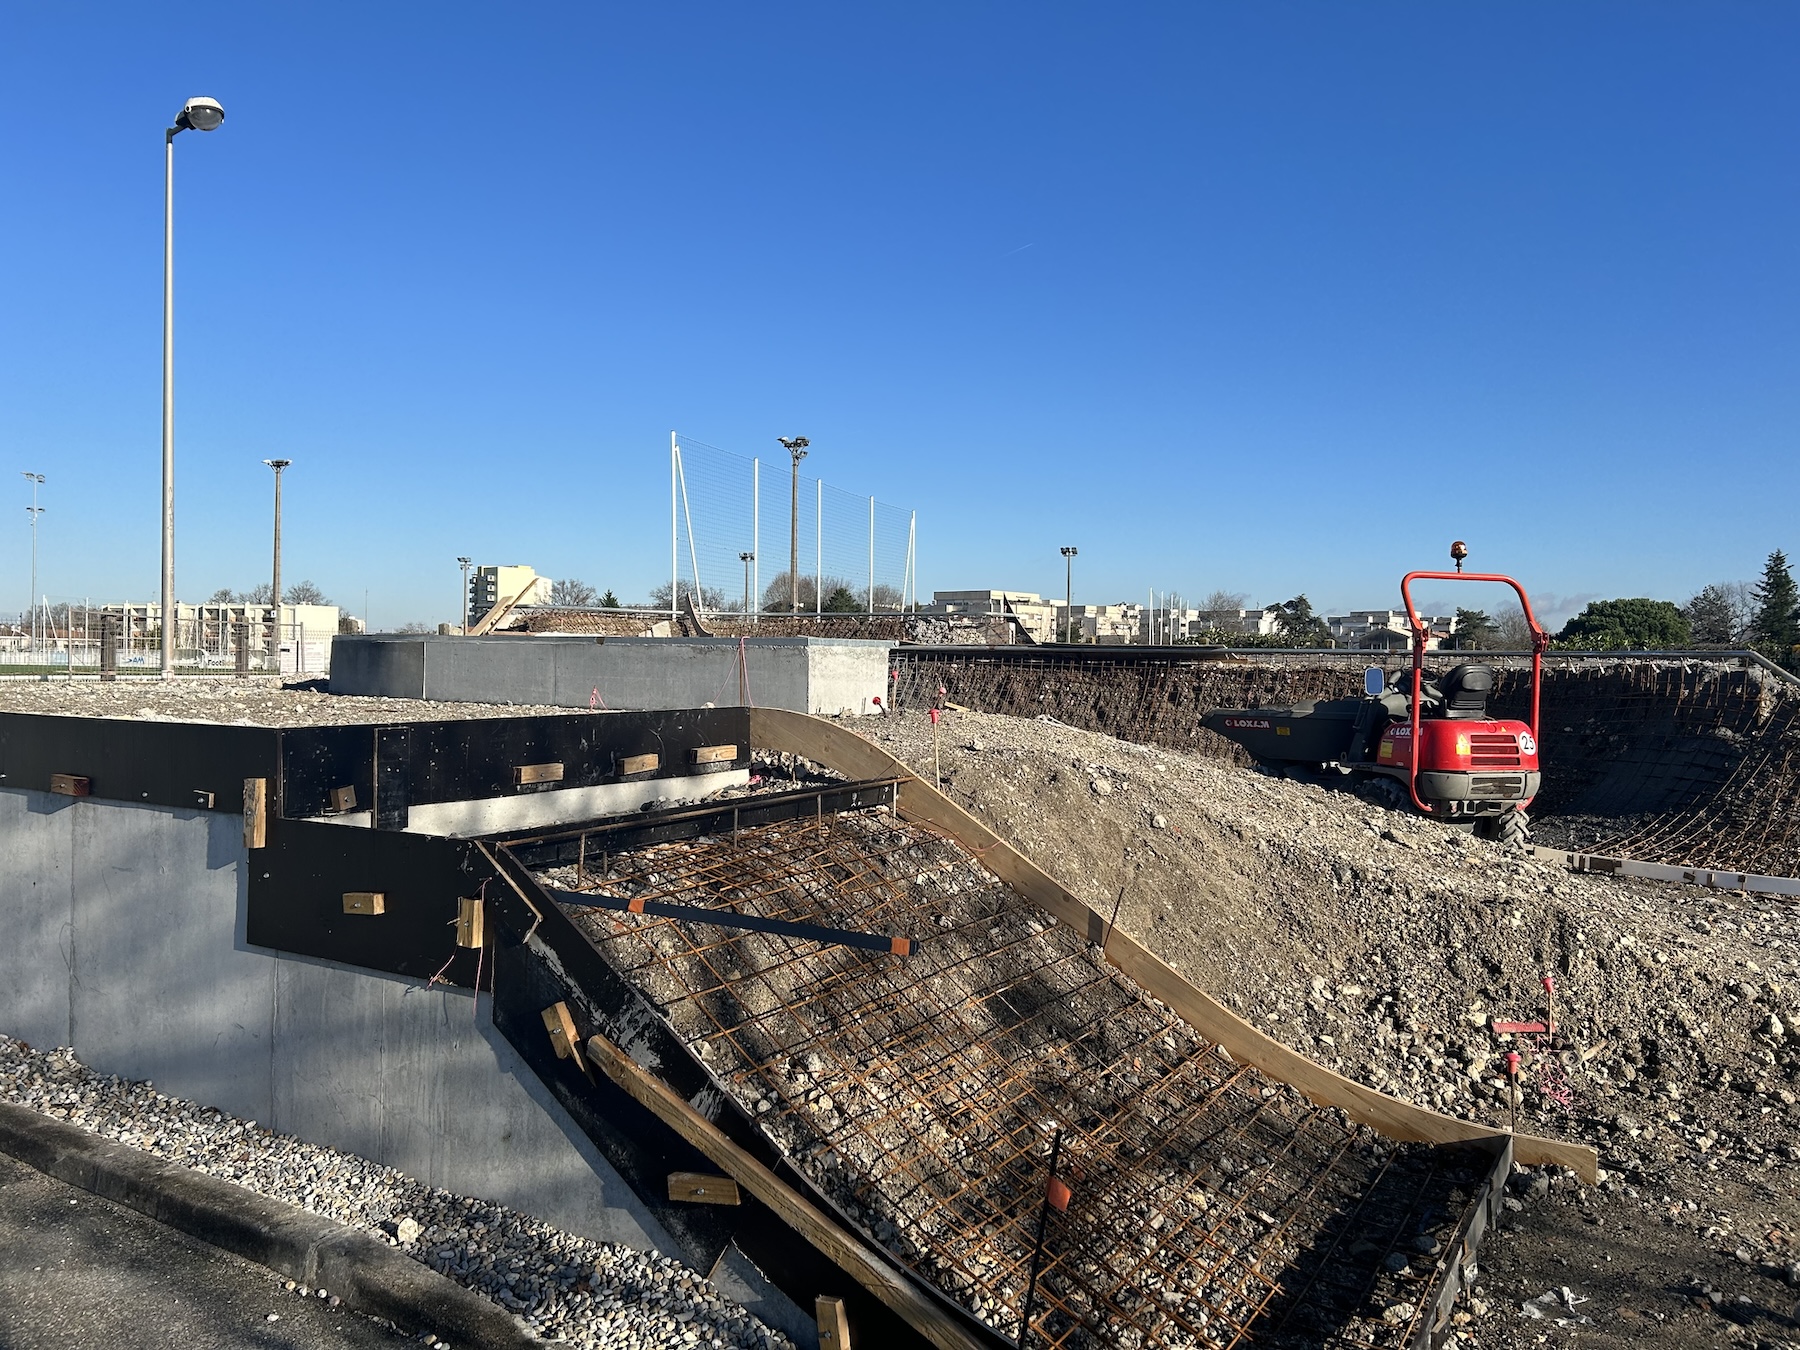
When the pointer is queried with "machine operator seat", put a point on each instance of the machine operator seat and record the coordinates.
(1460, 695)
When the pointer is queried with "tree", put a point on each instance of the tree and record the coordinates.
(1475, 631)
(886, 596)
(842, 601)
(303, 593)
(709, 597)
(608, 600)
(1720, 614)
(1511, 632)
(1776, 624)
(1611, 625)
(1219, 599)
(1299, 626)
(570, 591)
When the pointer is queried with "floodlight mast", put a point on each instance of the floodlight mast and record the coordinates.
(197, 114)
(36, 480)
(796, 446)
(275, 581)
(465, 563)
(1069, 552)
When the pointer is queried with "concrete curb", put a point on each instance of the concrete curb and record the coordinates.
(367, 1275)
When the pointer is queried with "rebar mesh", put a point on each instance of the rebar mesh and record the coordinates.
(921, 1095)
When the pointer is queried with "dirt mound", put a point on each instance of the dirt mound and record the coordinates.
(1382, 944)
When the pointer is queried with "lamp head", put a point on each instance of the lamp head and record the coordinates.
(200, 114)
(1070, 552)
(278, 464)
(465, 561)
(796, 446)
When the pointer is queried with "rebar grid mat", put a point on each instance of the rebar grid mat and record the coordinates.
(921, 1094)
(1683, 761)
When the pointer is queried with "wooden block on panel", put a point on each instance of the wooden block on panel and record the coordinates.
(256, 812)
(469, 922)
(698, 1188)
(365, 902)
(525, 774)
(343, 798)
(714, 754)
(834, 1323)
(561, 1027)
(70, 784)
(640, 764)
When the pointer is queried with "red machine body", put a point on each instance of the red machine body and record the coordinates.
(1454, 754)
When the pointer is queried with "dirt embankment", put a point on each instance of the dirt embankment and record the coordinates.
(1381, 945)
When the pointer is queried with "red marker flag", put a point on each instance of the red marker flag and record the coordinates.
(1058, 1194)
(934, 717)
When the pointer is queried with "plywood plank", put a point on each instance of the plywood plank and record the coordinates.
(697, 1188)
(256, 812)
(927, 1317)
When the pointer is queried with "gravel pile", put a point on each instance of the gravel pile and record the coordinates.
(1382, 945)
(562, 1287)
(244, 703)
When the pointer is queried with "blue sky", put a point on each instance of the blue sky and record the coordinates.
(1270, 297)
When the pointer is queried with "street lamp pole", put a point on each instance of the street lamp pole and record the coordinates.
(466, 562)
(796, 446)
(36, 511)
(197, 114)
(1068, 591)
(746, 559)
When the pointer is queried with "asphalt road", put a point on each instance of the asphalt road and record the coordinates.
(81, 1273)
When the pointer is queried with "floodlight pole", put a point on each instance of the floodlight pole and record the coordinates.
(465, 594)
(275, 581)
(796, 446)
(1068, 591)
(36, 479)
(202, 114)
(746, 559)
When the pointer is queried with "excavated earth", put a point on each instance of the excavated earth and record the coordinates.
(1382, 945)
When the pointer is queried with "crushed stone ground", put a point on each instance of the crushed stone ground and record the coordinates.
(562, 1287)
(1380, 944)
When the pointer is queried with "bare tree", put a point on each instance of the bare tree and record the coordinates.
(709, 597)
(303, 593)
(570, 591)
(1221, 599)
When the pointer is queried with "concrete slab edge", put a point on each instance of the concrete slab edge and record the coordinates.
(367, 1275)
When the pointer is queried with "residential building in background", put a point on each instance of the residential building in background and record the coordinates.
(1385, 630)
(1104, 625)
(1035, 617)
(514, 583)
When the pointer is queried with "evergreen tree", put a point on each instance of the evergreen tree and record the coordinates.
(609, 600)
(1612, 625)
(1776, 626)
(1299, 626)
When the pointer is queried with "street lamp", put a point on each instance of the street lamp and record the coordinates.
(466, 563)
(35, 511)
(197, 114)
(275, 585)
(1068, 591)
(796, 446)
(746, 559)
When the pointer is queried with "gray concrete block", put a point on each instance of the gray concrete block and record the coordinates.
(36, 904)
(162, 987)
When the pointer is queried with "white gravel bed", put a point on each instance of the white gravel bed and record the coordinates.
(562, 1287)
(262, 702)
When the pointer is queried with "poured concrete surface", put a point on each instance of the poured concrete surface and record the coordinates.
(80, 1273)
(825, 676)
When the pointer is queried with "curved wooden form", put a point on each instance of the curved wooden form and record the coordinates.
(847, 753)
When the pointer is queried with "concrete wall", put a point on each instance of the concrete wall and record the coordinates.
(826, 676)
(125, 940)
